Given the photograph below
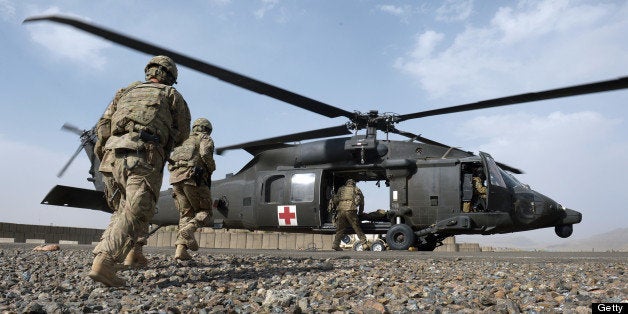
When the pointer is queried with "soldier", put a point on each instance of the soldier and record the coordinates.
(476, 201)
(136, 133)
(347, 201)
(479, 190)
(191, 166)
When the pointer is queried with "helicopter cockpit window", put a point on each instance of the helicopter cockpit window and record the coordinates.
(510, 180)
(302, 187)
(495, 173)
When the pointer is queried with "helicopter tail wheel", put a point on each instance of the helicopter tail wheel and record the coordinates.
(400, 237)
(378, 245)
(563, 231)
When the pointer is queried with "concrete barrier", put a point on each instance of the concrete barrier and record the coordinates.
(47, 234)
(206, 237)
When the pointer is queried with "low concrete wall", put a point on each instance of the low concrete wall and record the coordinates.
(206, 237)
(47, 234)
(243, 239)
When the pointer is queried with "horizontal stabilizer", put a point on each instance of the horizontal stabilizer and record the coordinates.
(68, 196)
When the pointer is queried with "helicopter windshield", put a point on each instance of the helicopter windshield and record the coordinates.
(499, 176)
(510, 180)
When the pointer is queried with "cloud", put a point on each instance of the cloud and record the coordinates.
(220, 2)
(545, 18)
(65, 42)
(453, 11)
(31, 171)
(7, 10)
(566, 43)
(542, 142)
(402, 12)
(574, 158)
(544, 132)
(426, 44)
(267, 6)
(392, 9)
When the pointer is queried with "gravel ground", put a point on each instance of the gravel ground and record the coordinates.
(237, 281)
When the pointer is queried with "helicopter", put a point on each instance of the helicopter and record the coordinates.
(435, 190)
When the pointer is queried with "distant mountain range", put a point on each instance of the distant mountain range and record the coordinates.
(614, 240)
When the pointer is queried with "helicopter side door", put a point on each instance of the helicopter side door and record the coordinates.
(289, 199)
(499, 197)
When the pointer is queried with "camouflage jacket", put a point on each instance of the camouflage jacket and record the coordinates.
(150, 107)
(349, 198)
(193, 155)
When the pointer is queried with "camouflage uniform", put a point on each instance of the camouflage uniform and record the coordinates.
(480, 191)
(191, 166)
(135, 134)
(347, 200)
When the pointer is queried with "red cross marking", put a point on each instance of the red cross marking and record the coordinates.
(287, 215)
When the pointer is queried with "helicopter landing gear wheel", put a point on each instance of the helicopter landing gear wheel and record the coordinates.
(346, 239)
(378, 245)
(400, 237)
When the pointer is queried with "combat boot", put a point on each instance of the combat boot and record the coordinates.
(182, 253)
(104, 271)
(136, 258)
(188, 234)
(336, 247)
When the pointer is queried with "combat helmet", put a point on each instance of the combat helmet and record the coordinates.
(204, 123)
(162, 68)
(350, 182)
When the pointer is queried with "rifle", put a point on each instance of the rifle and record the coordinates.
(199, 177)
(149, 137)
(197, 174)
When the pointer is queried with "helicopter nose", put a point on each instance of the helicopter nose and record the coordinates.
(532, 207)
(551, 207)
(570, 216)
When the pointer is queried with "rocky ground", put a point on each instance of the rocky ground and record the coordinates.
(269, 281)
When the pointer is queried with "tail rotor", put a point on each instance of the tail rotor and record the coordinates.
(88, 139)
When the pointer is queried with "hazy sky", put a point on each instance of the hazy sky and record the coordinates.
(393, 56)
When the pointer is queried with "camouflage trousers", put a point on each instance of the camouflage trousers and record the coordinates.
(346, 219)
(195, 208)
(136, 183)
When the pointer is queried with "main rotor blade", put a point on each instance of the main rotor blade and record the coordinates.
(583, 89)
(418, 138)
(71, 128)
(203, 67)
(509, 168)
(308, 135)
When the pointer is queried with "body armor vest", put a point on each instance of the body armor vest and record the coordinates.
(347, 198)
(186, 154)
(144, 107)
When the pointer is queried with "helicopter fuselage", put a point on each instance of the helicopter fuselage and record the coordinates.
(433, 192)
(288, 189)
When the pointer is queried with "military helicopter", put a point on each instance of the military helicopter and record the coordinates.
(435, 190)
